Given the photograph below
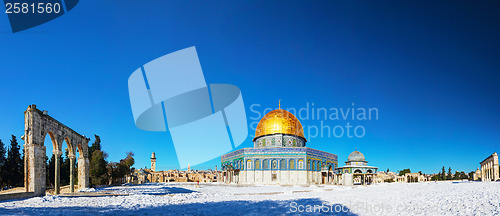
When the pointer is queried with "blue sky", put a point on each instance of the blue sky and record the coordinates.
(431, 69)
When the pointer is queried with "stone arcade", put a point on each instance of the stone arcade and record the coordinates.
(489, 169)
(38, 125)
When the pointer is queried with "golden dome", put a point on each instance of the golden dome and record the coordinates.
(279, 122)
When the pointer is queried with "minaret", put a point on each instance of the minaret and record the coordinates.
(153, 162)
(189, 168)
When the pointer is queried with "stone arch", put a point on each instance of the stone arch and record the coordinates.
(357, 171)
(37, 125)
(52, 138)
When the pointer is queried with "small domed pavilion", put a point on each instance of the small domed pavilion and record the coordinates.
(356, 170)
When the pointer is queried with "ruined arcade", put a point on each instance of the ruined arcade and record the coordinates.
(37, 125)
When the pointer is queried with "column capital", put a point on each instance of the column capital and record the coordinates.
(57, 152)
(72, 157)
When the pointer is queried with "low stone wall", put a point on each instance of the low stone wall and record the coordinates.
(20, 195)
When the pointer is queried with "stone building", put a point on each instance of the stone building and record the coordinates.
(489, 169)
(386, 176)
(151, 175)
(279, 156)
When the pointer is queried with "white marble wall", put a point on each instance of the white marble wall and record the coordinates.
(282, 177)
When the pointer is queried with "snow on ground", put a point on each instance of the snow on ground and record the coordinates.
(430, 198)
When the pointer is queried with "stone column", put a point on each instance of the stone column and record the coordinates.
(35, 169)
(57, 183)
(71, 171)
(83, 172)
(482, 172)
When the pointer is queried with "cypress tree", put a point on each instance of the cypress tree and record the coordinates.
(98, 170)
(443, 174)
(14, 164)
(96, 145)
(64, 175)
(456, 176)
(3, 160)
(449, 176)
(51, 171)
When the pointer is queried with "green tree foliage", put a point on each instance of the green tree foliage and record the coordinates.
(96, 145)
(449, 176)
(456, 176)
(403, 172)
(98, 169)
(116, 171)
(14, 165)
(64, 166)
(47, 172)
(443, 174)
(436, 177)
(471, 176)
(51, 170)
(3, 168)
(463, 175)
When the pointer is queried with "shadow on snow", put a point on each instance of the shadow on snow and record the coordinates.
(267, 207)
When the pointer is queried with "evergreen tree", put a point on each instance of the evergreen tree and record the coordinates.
(404, 171)
(471, 176)
(449, 176)
(14, 164)
(443, 174)
(456, 176)
(64, 172)
(96, 145)
(117, 171)
(98, 171)
(463, 175)
(47, 180)
(3, 161)
(51, 168)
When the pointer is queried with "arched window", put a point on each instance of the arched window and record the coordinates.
(274, 164)
(292, 164)
(283, 164)
(257, 164)
(309, 166)
(314, 166)
(249, 164)
(265, 164)
(301, 164)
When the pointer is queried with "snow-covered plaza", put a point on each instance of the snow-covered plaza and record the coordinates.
(429, 198)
